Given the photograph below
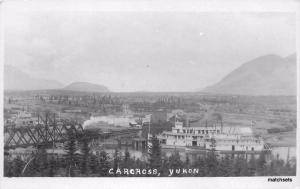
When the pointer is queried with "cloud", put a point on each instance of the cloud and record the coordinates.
(158, 51)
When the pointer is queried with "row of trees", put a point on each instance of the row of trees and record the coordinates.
(90, 100)
(79, 160)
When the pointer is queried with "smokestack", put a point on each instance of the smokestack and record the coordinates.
(187, 121)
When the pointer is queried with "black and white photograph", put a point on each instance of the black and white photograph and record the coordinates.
(142, 91)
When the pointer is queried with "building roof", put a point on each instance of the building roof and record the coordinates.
(238, 130)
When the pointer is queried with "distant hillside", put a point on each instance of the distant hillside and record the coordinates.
(86, 87)
(266, 75)
(15, 79)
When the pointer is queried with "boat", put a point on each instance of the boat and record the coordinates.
(213, 137)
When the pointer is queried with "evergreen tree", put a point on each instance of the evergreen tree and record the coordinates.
(164, 171)
(59, 162)
(287, 169)
(211, 160)
(261, 164)
(252, 166)
(8, 167)
(70, 156)
(139, 164)
(225, 168)
(42, 161)
(187, 161)
(104, 163)
(238, 165)
(272, 168)
(293, 169)
(116, 160)
(175, 162)
(200, 164)
(37, 164)
(155, 161)
(126, 161)
(94, 164)
(18, 165)
(85, 157)
(52, 167)
(33, 169)
(245, 168)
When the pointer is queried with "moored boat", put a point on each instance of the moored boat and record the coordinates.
(219, 138)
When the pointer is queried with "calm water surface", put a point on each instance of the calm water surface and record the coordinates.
(282, 152)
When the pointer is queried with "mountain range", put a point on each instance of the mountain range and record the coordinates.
(15, 79)
(86, 87)
(265, 75)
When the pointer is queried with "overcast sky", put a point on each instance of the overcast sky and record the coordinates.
(143, 51)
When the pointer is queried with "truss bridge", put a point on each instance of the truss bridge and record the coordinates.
(52, 131)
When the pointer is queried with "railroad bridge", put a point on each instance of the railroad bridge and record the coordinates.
(50, 131)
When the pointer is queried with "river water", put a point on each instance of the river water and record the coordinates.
(283, 153)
